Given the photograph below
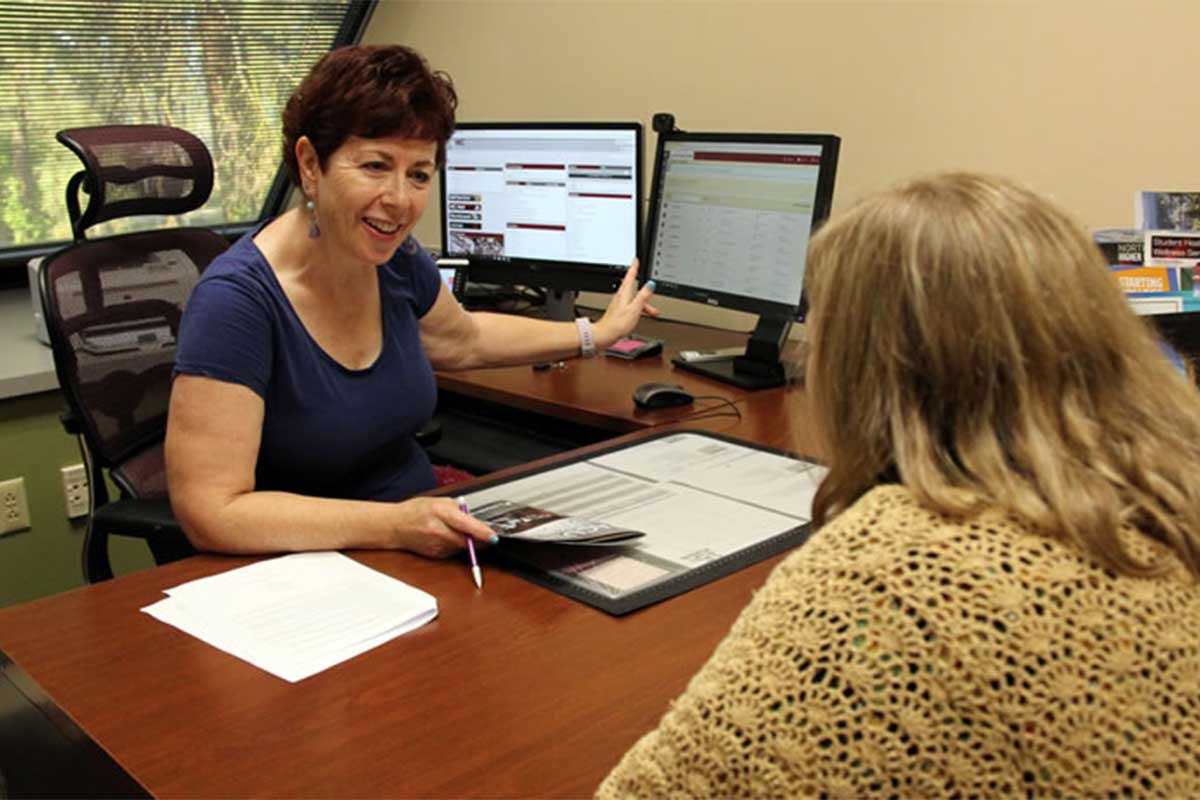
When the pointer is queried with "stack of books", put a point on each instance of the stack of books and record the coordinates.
(1157, 263)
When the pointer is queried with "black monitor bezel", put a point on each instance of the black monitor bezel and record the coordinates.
(541, 273)
(822, 203)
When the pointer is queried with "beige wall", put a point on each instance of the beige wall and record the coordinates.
(1086, 101)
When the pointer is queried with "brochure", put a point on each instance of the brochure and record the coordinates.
(1121, 246)
(524, 523)
(1175, 211)
(1172, 248)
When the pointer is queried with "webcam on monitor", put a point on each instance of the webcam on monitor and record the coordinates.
(664, 122)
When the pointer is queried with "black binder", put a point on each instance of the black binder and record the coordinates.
(563, 568)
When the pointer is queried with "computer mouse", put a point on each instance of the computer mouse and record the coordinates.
(661, 395)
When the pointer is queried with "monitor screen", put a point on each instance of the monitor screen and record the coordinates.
(549, 205)
(447, 274)
(731, 216)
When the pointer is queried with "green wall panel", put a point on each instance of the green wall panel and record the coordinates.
(46, 559)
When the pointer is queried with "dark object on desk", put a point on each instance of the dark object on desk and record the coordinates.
(634, 346)
(480, 436)
(38, 739)
(760, 367)
(661, 395)
(112, 308)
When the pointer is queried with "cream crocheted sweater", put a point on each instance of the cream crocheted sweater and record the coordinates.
(901, 654)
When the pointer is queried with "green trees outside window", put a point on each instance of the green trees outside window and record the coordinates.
(221, 69)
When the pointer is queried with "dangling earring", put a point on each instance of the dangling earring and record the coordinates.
(314, 230)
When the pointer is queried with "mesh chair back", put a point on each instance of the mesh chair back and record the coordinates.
(113, 305)
(135, 169)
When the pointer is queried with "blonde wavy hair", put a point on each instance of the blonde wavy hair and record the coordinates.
(967, 340)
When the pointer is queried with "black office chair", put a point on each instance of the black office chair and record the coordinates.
(112, 307)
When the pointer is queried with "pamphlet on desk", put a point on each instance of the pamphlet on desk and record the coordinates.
(707, 505)
(516, 522)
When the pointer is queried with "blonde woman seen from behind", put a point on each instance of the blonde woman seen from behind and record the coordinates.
(1001, 598)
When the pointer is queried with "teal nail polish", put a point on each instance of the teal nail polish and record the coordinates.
(495, 539)
(651, 285)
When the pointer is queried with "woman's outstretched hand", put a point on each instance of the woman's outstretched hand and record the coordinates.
(625, 309)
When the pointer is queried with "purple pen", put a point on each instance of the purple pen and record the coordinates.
(476, 573)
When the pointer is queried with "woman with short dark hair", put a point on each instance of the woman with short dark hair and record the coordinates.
(1001, 598)
(307, 351)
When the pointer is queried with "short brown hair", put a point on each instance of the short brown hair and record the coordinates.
(368, 91)
(967, 340)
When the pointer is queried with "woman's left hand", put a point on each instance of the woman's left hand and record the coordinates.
(624, 310)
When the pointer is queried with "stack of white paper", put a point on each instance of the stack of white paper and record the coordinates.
(296, 615)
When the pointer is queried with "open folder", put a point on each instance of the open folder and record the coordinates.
(704, 506)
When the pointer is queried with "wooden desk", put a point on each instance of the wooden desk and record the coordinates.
(599, 392)
(512, 691)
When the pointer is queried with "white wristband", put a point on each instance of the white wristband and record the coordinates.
(587, 342)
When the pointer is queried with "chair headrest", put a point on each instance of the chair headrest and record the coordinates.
(135, 169)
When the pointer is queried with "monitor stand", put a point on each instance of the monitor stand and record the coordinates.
(560, 305)
(759, 368)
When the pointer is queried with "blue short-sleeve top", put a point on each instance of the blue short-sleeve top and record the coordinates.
(328, 431)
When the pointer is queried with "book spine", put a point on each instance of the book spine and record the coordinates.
(1153, 280)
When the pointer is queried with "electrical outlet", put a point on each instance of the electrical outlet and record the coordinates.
(75, 490)
(14, 508)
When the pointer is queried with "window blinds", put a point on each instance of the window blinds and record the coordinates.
(221, 69)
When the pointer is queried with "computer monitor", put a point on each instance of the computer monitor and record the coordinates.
(730, 219)
(555, 206)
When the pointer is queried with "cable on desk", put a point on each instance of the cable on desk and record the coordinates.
(725, 401)
(707, 413)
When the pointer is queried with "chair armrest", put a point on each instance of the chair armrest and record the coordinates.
(142, 518)
(138, 517)
(429, 435)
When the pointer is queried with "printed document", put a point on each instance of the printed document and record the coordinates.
(296, 615)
